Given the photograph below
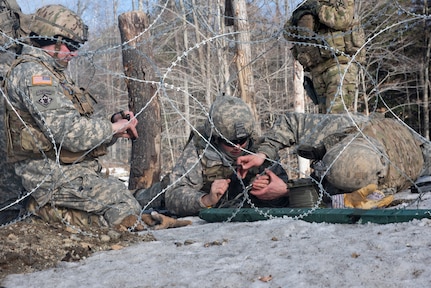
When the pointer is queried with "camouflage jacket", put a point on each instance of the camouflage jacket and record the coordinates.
(327, 33)
(405, 150)
(35, 90)
(197, 168)
(48, 102)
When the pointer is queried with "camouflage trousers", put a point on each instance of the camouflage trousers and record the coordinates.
(149, 197)
(328, 86)
(79, 186)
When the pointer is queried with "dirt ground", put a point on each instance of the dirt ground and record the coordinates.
(33, 245)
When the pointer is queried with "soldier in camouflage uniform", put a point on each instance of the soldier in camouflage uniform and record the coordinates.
(13, 26)
(205, 176)
(53, 139)
(330, 36)
(358, 155)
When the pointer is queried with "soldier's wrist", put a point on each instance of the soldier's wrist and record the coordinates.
(203, 203)
(338, 201)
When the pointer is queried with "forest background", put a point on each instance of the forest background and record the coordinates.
(194, 57)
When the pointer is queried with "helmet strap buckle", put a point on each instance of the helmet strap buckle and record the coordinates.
(240, 131)
(58, 46)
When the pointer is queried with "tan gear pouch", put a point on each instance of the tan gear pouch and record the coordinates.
(34, 140)
(68, 157)
(335, 43)
(354, 40)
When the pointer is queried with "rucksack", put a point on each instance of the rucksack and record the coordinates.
(13, 30)
(12, 21)
(304, 26)
(355, 38)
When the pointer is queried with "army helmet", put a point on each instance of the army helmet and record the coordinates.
(57, 20)
(230, 118)
(355, 164)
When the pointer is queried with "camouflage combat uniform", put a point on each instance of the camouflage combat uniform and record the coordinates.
(388, 153)
(12, 23)
(57, 112)
(334, 35)
(204, 160)
(197, 168)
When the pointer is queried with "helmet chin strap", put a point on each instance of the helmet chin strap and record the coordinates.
(57, 49)
(58, 46)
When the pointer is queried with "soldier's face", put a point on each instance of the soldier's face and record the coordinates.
(234, 150)
(64, 55)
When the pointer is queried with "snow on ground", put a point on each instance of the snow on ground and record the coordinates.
(272, 253)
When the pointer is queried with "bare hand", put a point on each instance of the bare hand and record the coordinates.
(218, 188)
(274, 188)
(126, 128)
(248, 161)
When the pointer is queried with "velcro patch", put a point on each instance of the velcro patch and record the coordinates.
(45, 100)
(41, 80)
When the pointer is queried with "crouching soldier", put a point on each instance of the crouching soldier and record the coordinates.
(54, 139)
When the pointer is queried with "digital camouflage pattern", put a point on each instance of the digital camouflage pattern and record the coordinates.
(203, 161)
(36, 90)
(400, 153)
(330, 36)
(9, 21)
(198, 167)
(355, 163)
(10, 184)
(230, 118)
(52, 20)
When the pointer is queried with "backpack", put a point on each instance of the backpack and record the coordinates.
(11, 189)
(13, 25)
(355, 38)
(305, 20)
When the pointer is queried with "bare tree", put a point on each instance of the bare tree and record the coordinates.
(243, 57)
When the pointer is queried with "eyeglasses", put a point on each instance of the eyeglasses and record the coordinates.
(71, 45)
(233, 143)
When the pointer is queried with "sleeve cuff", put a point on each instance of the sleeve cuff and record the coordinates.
(270, 153)
(338, 201)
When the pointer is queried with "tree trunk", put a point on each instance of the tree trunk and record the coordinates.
(186, 66)
(145, 162)
(299, 106)
(426, 88)
(243, 56)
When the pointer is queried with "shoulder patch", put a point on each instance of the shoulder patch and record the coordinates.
(44, 96)
(41, 80)
(45, 100)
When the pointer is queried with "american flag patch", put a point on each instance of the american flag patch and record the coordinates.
(41, 80)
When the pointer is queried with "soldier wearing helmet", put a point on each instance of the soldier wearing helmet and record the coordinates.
(326, 35)
(354, 155)
(54, 140)
(205, 173)
(58, 26)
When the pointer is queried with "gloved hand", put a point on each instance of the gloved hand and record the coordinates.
(363, 198)
(159, 221)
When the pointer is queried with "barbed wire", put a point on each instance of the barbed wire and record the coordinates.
(168, 88)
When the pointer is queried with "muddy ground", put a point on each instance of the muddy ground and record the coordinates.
(32, 245)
